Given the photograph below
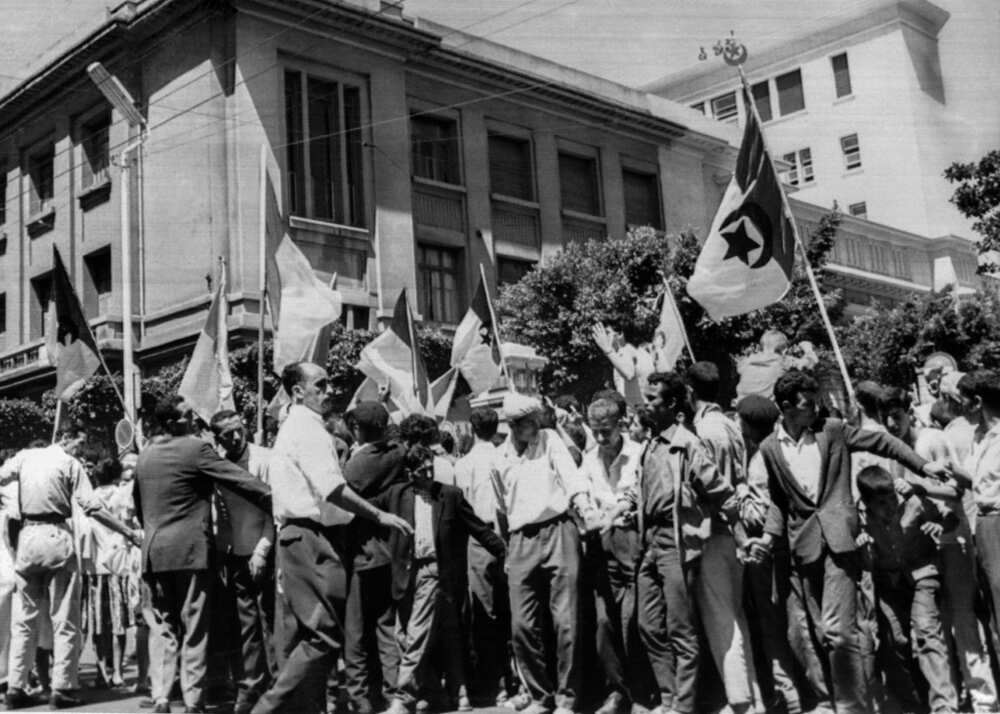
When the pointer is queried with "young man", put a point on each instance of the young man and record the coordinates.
(429, 577)
(632, 366)
(809, 482)
(678, 489)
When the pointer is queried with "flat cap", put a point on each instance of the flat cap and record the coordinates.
(516, 406)
(949, 385)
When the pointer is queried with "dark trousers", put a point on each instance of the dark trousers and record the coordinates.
(830, 593)
(988, 550)
(905, 608)
(544, 579)
(488, 624)
(307, 583)
(668, 620)
(254, 605)
(371, 655)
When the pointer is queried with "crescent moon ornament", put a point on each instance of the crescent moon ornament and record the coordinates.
(735, 54)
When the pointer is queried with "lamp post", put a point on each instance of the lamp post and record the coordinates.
(114, 91)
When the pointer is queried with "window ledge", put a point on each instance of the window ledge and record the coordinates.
(786, 117)
(336, 229)
(431, 183)
(844, 99)
(577, 215)
(513, 201)
(94, 195)
(855, 171)
(41, 222)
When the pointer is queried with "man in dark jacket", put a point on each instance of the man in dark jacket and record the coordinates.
(429, 577)
(174, 481)
(809, 480)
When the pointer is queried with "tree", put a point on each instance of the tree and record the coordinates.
(977, 196)
(23, 421)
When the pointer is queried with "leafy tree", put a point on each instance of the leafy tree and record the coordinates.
(23, 421)
(977, 196)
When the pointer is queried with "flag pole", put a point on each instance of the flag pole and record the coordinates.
(802, 248)
(496, 330)
(55, 425)
(261, 291)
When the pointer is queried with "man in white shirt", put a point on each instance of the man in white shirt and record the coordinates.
(632, 366)
(541, 483)
(309, 496)
(611, 468)
(477, 474)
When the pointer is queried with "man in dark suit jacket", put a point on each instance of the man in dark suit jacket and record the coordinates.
(809, 480)
(174, 480)
(429, 575)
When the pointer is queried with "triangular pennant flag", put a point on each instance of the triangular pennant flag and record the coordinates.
(207, 384)
(69, 342)
(746, 262)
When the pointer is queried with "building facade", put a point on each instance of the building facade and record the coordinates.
(405, 155)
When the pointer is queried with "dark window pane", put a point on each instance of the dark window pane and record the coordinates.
(438, 280)
(724, 107)
(860, 210)
(790, 97)
(3, 312)
(851, 149)
(41, 179)
(642, 199)
(296, 148)
(41, 291)
(762, 98)
(510, 167)
(324, 147)
(578, 183)
(355, 140)
(511, 270)
(841, 75)
(435, 149)
(3, 195)
(94, 143)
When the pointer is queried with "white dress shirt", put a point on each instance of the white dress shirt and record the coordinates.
(477, 474)
(803, 458)
(984, 465)
(423, 527)
(304, 470)
(609, 483)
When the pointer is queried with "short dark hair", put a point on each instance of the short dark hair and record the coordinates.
(107, 471)
(894, 398)
(943, 411)
(874, 481)
(613, 395)
(419, 429)
(371, 418)
(671, 385)
(291, 375)
(869, 395)
(167, 413)
(703, 377)
(577, 435)
(568, 402)
(759, 412)
(447, 441)
(219, 417)
(484, 422)
(982, 383)
(791, 384)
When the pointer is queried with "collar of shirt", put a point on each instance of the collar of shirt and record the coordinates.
(303, 413)
(808, 436)
(704, 409)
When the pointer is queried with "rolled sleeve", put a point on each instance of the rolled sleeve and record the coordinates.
(572, 478)
(83, 491)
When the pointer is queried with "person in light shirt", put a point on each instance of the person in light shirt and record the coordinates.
(541, 484)
(632, 365)
(612, 467)
(310, 496)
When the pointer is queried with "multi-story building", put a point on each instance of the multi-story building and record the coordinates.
(857, 114)
(408, 154)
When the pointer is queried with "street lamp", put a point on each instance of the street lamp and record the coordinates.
(114, 91)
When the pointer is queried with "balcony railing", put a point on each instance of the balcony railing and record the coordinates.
(439, 207)
(516, 224)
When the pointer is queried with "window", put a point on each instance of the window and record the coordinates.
(511, 270)
(510, 167)
(841, 75)
(860, 210)
(699, 107)
(724, 107)
(325, 175)
(41, 291)
(40, 180)
(852, 151)
(642, 199)
(801, 167)
(97, 288)
(95, 152)
(3, 313)
(579, 185)
(790, 97)
(3, 194)
(437, 270)
(435, 149)
(762, 98)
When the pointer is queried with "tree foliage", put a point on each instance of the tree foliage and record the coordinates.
(977, 196)
(23, 421)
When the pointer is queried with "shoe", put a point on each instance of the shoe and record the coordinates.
(502, 698)
(62, 699)
(161, 707)
(563, 710)
(423, 706)
(537, 708)
(518, 702)
(639, 709)
(396, 706)
(18, 698)
(464, 705)
(147, 703)
(614, 704)
(194, 710)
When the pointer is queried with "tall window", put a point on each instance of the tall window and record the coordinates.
(3, 313)
(41, 291)
(642, 199)
(578, 181)
(437, 270)
(95, 153)
(724, 107)
(762, 98)
(801, 167)
(435, 149)
(790, 96)
(40, 179)
(3, 194)
(852, 151)
(510, 167)
(97, 287)
(511, 270)
(859, 210)
(841, 74)
(324, 137)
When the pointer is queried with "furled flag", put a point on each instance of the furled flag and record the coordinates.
(670, 337)
(69, 342)
(207, 384)
(746, 262)
(393, 360)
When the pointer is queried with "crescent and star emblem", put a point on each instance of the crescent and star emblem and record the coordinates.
(746, 230)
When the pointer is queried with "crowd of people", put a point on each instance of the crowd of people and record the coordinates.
(650, 550)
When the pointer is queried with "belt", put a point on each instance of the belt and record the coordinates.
(533, 529)
(54, 519)
(307, 523)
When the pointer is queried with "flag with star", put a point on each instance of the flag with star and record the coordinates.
(746, 262)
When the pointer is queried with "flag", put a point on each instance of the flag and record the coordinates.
(207, 384)
(670, 336)
(302, 306)
(746, 262)
(393, 359)
(944, 273)
(475, 351)
(69, 342)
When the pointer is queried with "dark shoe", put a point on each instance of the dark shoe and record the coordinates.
(194, 710)
(161, 707)
(18, 698)
(146, 703)
(62, 699)
(614, 704)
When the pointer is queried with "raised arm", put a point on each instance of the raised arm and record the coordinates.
(229, 475)
(883, 444)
